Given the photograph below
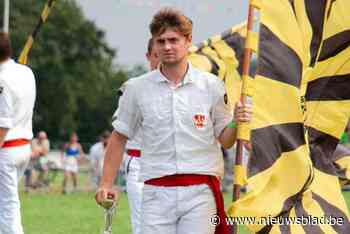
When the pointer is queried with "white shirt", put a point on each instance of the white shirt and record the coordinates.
(179, 126)
(97, 152)
(136, 142)
(17, 98)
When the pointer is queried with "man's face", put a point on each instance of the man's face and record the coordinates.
(42, 136)
(172, 47)
(153, 58)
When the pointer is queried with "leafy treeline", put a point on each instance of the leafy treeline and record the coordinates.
(73, 64)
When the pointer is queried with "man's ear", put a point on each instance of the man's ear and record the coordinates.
(189, 39)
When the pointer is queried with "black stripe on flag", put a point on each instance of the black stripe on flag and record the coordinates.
(270, 142)
(322, 147)
(214, 66)
(334, 45)
(333, 212)
(341, 151)
(236, 42)
(277, 61)
(316, 14)
(302, 213)
(329, 88)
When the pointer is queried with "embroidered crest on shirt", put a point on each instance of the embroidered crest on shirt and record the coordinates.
(200, 121)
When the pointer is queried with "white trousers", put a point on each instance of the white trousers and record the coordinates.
(13, 162)
(177, 210)
(134, 191)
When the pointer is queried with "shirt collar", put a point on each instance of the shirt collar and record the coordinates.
(187, 79)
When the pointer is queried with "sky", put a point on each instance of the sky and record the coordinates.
(126, 21)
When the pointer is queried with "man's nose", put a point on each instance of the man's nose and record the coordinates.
(167, 45)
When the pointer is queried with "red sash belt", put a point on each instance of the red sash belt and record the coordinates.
(134, 152)
(193, 179)
(15, 142)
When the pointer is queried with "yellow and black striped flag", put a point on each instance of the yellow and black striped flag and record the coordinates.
(222, 55)
(328, 107)
(23, 58)
(279, 167)
(296, 36)
(328, 92)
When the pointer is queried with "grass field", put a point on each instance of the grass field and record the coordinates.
(76, 213)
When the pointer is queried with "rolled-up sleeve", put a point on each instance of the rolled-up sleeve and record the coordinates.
(127, 117)
(222, 112)
(6, 106)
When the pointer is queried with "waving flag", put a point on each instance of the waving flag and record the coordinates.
(328, 91)
(303, 56)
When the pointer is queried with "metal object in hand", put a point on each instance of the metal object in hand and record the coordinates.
(110, 209)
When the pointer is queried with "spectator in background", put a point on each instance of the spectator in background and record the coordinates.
(72, 152)
(40, 149)
(96, 156)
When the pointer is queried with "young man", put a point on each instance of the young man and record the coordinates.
(132, 158)
(183, 115)
(17, 97)
(152, 55)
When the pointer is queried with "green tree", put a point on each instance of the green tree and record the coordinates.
(73, 65)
